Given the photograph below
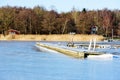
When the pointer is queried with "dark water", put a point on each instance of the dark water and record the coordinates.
(22, 61)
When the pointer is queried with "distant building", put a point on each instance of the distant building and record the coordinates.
(94, 30)
(12, 31)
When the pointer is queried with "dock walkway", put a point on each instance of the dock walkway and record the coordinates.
(76, 53)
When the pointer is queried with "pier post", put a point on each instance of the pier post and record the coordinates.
(94, 41)
(90, 45)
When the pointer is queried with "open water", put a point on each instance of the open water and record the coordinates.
(22, 61)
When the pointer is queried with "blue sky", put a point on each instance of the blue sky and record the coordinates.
(64, 5)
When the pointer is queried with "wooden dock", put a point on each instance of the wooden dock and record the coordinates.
(75, 54)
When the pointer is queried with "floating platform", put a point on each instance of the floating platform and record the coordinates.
(76, 53)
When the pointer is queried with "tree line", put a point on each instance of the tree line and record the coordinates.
(38, 20)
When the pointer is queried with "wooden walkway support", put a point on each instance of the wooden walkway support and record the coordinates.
(71, 53)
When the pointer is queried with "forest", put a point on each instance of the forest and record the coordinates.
(38, 20)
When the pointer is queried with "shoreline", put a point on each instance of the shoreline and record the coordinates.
(53, 37)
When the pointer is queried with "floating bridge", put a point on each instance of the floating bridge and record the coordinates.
(67, 50)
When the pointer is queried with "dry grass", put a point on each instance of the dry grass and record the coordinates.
(55, 37)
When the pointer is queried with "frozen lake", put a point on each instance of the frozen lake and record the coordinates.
(22, 61)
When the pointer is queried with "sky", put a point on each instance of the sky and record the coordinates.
(64, 5)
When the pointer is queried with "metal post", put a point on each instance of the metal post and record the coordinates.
(94, 44)
(90, 45)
